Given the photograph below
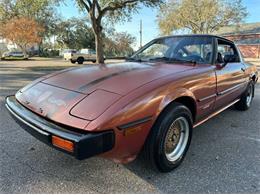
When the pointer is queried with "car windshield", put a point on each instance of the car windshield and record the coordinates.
(195, 49)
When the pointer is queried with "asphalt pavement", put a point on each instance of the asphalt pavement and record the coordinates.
(224, 156)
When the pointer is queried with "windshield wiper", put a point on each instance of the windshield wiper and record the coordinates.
(159, 59)
(169, 60)
(134, 59)
(184, 61)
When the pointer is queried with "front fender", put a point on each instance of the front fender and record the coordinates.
(178, 93)
(148, 106)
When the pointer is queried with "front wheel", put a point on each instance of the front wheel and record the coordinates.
(169, 139)
(246, 98)
(72, 61)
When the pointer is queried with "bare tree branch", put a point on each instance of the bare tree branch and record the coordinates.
(116, 5)
(82, 2)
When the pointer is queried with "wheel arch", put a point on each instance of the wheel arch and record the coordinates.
(190, 103)
(184, 97)
(80, 57)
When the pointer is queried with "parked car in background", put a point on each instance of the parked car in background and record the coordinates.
(67, 53)
(14, 55)
(83, 55)
(152, 102)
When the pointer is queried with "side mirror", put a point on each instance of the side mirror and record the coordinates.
(229, 58)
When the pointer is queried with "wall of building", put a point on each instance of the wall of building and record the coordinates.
(239, 37)
(250, 51)
(249, 44)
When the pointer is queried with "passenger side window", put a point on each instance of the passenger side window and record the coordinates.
(227, 52)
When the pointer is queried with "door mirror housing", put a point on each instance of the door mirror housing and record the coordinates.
(228, 58)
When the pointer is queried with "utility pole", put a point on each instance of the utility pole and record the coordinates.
(141, 33)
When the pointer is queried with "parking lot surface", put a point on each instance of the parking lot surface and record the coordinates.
(224, 156)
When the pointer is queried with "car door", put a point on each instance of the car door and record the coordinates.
(230, 73)
(92, 54)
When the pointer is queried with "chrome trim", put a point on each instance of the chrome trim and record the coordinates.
(230, 89)
(215, 113)
(207, 97)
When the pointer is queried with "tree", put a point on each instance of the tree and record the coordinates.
(200, 16)
(75, 34)
(118, 44)
(41, 11)
(115, 9)
(22, 31)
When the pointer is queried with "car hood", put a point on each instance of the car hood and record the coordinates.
(65, 106)
(85, 93)
(117, 78)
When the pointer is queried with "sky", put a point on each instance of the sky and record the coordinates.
(148, 17)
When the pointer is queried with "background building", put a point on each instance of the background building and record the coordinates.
(246, 36)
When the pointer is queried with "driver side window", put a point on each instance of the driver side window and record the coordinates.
(200, 52)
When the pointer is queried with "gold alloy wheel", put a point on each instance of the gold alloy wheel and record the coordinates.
(176, 139)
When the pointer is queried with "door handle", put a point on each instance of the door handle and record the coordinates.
(243, 69)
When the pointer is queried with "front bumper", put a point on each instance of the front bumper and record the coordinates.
(85, 144)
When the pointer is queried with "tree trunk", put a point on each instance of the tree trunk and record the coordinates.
(99, 47)
(23, 48)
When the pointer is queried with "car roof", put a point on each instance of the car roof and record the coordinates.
(196, 35)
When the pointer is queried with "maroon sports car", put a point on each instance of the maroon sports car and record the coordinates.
(151, 102)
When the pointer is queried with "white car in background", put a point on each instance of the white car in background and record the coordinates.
(83, 55)
(67, 53)
(14, 55)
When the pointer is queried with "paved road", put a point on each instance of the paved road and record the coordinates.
(224, 156)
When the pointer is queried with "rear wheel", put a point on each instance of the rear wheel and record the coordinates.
(246, 98)
(169, 139)
(80, 60)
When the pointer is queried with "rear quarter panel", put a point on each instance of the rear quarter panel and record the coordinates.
(251, 71)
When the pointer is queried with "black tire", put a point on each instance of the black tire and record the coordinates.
(80, 60)
(72, 61)
(245, 103)
(93, 61)
(154, 148)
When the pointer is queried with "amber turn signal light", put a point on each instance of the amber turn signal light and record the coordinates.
(63, 143)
